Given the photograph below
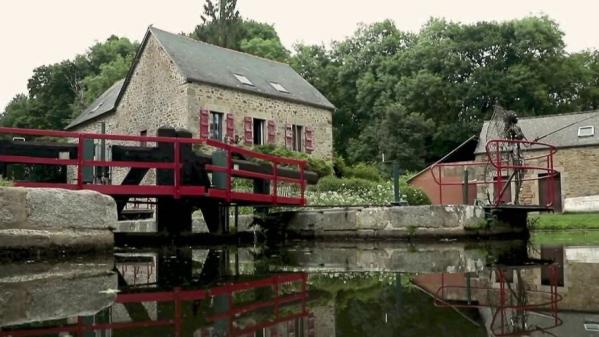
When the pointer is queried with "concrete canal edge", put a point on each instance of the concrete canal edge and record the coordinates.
(397, 222)
(54, 220)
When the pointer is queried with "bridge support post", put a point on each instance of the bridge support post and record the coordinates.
(173, 216)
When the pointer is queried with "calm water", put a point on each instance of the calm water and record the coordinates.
(547, 287)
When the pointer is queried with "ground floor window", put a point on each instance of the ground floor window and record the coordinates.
(297, 131)
(216, 125)
(258, 128)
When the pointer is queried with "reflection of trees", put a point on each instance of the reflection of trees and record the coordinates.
(378, 304)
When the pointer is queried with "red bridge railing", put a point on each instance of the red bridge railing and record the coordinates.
(178, 188)
(503, 158)
(297, 296)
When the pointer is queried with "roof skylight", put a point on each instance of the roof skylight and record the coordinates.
(243, 80)
(279, 87)
(586, 131)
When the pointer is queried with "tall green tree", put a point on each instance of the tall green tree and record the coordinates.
(223, 26)
(59, 91)
(220, 24)
(442, 82)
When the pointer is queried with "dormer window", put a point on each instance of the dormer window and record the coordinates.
(586, 131)
(279, 87)
(243, 80)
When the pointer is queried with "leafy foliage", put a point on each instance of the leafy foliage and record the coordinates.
(223, 26)
(59, 91)
(320, 166)
(415, 96)
(357, 191)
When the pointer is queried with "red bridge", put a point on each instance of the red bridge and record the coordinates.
(170, 167)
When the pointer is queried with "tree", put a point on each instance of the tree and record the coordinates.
(220, 24)
(58, 92)
(447, 73)
(223, 26)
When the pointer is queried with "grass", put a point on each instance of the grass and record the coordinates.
(564, 221)
(568, 238)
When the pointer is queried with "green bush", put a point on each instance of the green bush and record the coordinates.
(332, 183)
(414, 195)
(364, 171)
(321, 167)
(331, 190)
(5, 182)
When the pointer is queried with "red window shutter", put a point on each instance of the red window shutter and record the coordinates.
(289, 136)
(230, 128)
(272, 132)
(204, 123)
(309, 140)
(248, 130)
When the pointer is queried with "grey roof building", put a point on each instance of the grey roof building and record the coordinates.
(213, 92)
(560, 130)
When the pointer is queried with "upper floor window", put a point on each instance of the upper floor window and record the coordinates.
(279, 87)
(586, 131)
(243, 80)
(216, 125)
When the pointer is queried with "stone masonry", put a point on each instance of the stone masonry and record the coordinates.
(578, 168)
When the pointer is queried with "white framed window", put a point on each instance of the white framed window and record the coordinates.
(279, 87)
(586, 131)
(243, 80)
(216, 125)
(258, 126)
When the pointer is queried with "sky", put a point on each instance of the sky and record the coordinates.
(38, 32)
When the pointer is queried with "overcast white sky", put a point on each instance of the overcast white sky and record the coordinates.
(37, 32)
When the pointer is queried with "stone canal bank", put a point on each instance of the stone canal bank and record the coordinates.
(56, 220)
(41, 218)
(399, 222)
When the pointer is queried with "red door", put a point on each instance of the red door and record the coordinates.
(545, 191)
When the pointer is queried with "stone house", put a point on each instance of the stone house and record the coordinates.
(577, 160)
(215, 93)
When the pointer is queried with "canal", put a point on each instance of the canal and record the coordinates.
(548, 286)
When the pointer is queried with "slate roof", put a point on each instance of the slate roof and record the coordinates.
(103, 104)
(558, 130)
(206, 63)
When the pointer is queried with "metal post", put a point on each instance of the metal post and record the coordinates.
(103, 169)
(465, 187)
(396, 182)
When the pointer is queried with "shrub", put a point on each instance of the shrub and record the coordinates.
(364, 171)
(414, 195)
(321, 167)
(5, 182)
(356, 191)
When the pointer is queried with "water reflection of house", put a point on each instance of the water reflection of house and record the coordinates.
(576, 282)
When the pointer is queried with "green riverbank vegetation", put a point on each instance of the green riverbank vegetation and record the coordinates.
(564, 221)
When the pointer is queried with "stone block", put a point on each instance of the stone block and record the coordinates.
(582, 204)
(41, 217)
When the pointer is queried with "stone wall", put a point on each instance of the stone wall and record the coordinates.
(55, 219)
(578, 167)
(243, 104)
(388, 222)
(155, 97)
